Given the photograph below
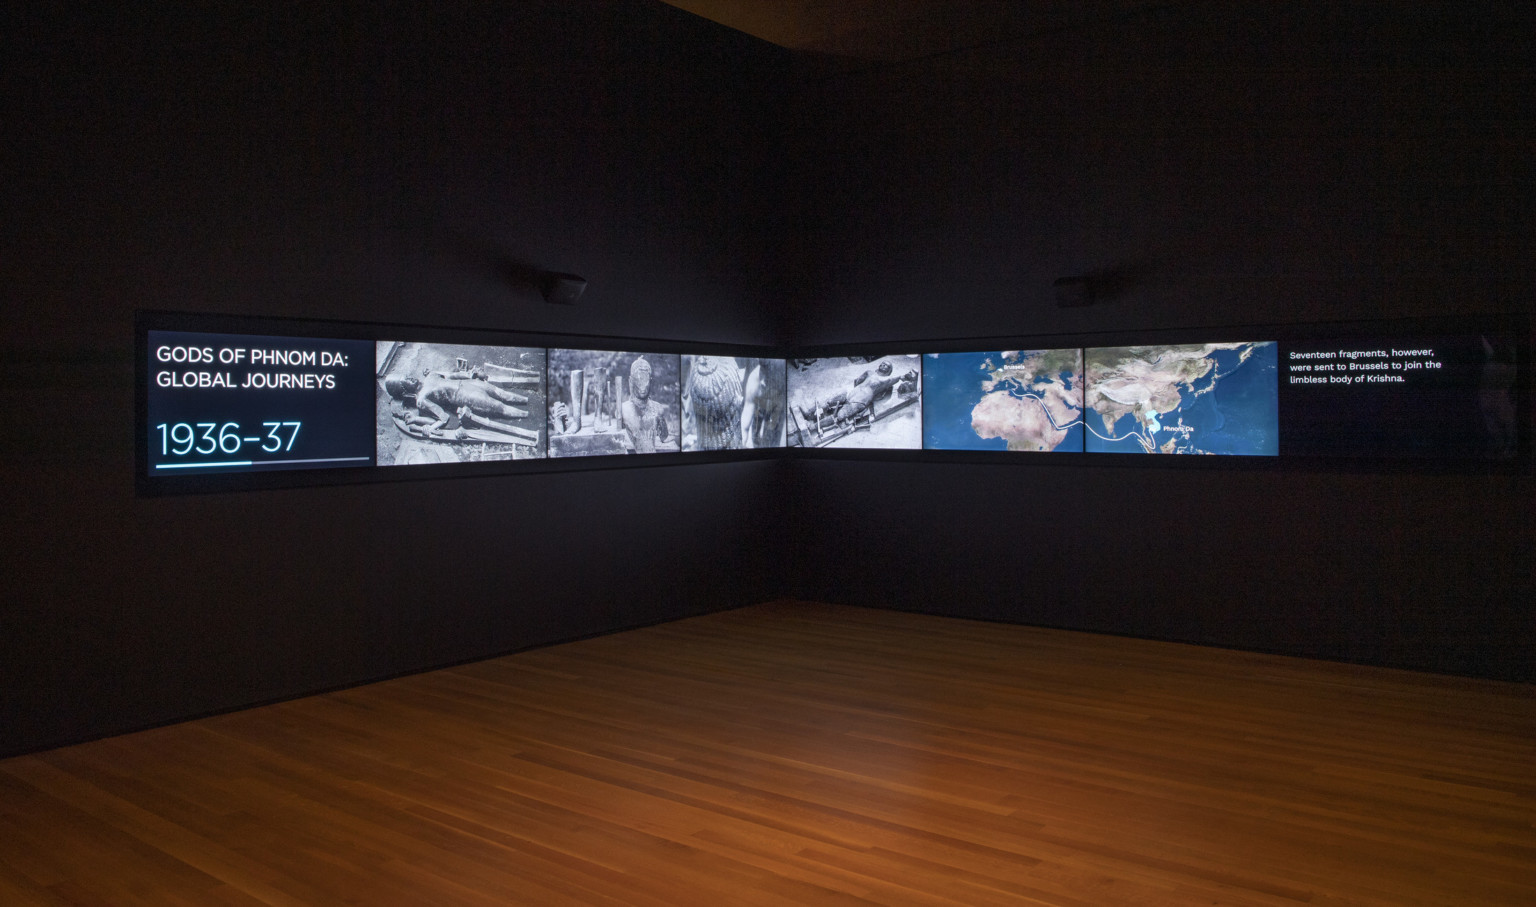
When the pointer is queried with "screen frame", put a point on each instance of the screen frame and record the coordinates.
(1516, 325)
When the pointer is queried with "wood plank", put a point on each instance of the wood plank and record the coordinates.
(804, 753)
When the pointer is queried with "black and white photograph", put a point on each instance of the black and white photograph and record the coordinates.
(732, 403)
(605, 403)
(870, 402)
(453, 403)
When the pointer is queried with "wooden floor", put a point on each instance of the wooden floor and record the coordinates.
(807, 754)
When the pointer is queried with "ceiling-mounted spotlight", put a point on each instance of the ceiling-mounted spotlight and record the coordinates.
(1073, 291)
(562, 289)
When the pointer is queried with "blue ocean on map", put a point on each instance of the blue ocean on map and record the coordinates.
(952, 388)
(1240, 417)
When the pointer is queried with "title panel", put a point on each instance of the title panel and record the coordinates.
(244, 403)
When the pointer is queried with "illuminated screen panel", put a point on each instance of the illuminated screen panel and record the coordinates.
(249, 403)
(603, 403)
(732, 403)
(456, 403)
(1427, 395)
(869, 402)
(1191, 398)
(1019, 400)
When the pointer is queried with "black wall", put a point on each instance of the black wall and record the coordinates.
(407, 163)
(401, 163)
(1211, 164)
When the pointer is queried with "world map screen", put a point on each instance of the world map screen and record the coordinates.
(1019, 400)
(1192, 398)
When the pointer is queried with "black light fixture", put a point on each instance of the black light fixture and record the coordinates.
(562, 289)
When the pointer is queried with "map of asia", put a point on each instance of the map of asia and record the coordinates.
(1206, 398)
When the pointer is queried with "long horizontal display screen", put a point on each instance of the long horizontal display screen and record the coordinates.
(235, 402)
(218, 402)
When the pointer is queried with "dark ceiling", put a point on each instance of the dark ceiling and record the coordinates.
(898, 30)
